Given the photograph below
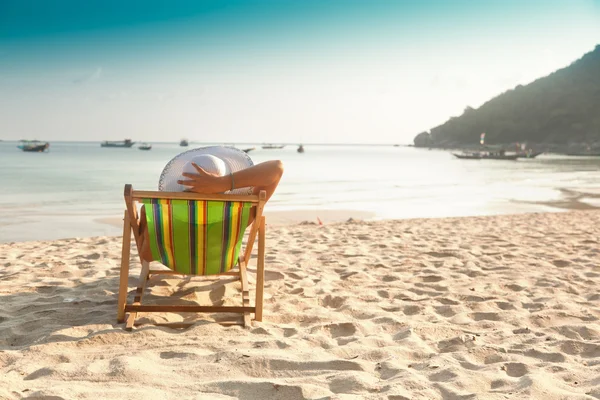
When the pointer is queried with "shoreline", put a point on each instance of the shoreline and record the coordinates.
(62, 225)
(291, 217)
(25, 226)
(112, 226)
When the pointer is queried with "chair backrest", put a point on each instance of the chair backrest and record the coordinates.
(196, 237)
(196, 234)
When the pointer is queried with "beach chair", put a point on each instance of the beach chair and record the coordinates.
(193, 234)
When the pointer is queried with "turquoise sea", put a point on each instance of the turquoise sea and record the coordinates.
(65, 192)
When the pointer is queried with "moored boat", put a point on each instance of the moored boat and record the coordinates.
(117, 143)
(145, 146)
(273, 146)
(300, 149)
(469, 156)
(528, 154)
(184, 143)
(486, 156)
(34, 146)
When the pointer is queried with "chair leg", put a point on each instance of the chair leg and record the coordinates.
(138, 294)
(260, 271)
(124, 273)
(245, 292)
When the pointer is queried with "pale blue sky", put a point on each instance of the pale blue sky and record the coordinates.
(259, 70)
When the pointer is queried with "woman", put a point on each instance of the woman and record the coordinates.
(221, 170)
(264, 176)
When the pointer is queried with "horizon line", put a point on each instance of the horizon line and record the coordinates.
(224, 143)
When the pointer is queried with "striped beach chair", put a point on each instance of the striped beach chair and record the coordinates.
(193, 234)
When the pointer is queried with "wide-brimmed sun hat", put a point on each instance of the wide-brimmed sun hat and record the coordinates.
(220, 160)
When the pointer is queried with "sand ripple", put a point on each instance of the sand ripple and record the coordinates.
(466, 308)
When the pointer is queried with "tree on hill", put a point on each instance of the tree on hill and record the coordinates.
(561, 108)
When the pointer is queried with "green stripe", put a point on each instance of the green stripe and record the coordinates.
(214, 240)
(181, 236)
(154, 249)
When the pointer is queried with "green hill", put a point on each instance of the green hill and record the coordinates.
(562, 108)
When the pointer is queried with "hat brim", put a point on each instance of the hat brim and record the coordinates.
(235, 159)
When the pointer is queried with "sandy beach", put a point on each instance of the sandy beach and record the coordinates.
(455, 308)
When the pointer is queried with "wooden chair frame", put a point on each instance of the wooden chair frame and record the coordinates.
(131, 223)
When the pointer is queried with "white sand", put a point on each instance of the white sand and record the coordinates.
(467, 308)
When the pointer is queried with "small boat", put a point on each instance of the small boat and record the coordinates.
(184, 143)
(127, 143)
(486, 156)
(273, 146)
(469, 156)
(248, 150)
(34, 146)
(145, 146)
(530, 154)
(300, 149)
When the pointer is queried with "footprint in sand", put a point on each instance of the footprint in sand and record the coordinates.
(548, 357)
(505, 306)
(438, 254)
(586, 350)
(515, 370)
(443, 376)
(561, 263)
(515, 287)
(445, 311)
(167, 355)
(333, 301)
(432, 278)
(389, 278)
(412, 310)
(273, 276)
(40, 373)
(485, 316)
(342, 329)
(92, 256)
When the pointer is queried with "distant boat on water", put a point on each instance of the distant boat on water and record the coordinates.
(486, 156)
(530, 154)
(145, 146)
(248, 150)
(273, 146)
(119, 143)
(300, 149)
(184, 143)
(34, 146)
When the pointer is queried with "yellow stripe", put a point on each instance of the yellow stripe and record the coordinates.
(235, 212)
